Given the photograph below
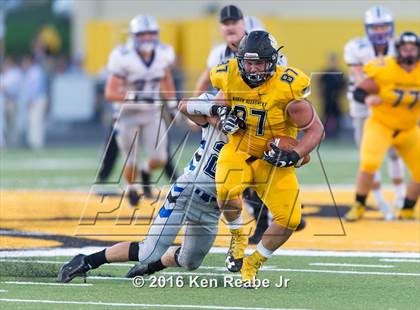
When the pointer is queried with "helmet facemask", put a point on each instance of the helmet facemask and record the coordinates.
(254, 79)
(380, 37)
(145, 45)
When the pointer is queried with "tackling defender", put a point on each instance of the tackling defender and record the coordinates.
(379, 25)
(392, 90)
(267, 101)
(139, 71)
(191, 202)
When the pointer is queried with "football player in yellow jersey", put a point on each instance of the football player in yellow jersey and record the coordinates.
(392, 90)
(265, 101)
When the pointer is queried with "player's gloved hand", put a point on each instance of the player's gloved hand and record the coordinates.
(279, 158)
(220, 110)
(229, 123)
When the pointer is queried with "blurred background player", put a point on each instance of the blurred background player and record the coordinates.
(138, 72)
(111, 152)
(11, 79)
(332, 85)
(392, 90)
(233, 27)
(379, 25)
(34, 102)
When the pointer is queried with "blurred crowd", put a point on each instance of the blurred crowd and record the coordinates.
(25, 84)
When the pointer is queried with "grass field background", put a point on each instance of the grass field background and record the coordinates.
(43, 194)
(76, 167)
(315, 283)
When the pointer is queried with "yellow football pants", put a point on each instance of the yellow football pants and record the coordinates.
(377, 139)
(278, 188)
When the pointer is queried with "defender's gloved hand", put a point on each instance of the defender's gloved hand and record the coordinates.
(229, 124)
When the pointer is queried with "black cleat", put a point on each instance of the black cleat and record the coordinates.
(145, 176)
(233, 264)
(133, 198)
(139, 270)
(77, 267)
(301, 225)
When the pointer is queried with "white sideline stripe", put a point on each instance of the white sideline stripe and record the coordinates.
(46, 283)
(214, 250)
(270, 268)
(400, 260)
(379, 273)
(109, 278)
(201, 274)
(319, 253)
(52, 262)
(351, 265)
(115, 304)
(3, 291)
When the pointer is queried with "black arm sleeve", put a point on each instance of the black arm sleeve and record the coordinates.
(359, 94)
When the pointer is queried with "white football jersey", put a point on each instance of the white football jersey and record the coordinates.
(222, 53)
(358, 52)
(202, 168)
(142, 76)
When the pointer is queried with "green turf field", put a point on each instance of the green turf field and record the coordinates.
(76, 167)
(315, 283)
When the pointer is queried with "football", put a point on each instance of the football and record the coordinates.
(286, 143)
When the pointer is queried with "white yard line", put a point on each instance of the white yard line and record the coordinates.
(399, 260)
(53, 262)
(379, 273)
(46, 283)
(350, 265)
(115, 304)
(216, 250)
(3, 291)
(210, 274)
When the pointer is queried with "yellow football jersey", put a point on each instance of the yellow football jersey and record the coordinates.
(399, 91)
(263, 107)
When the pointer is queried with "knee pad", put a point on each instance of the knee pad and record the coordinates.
(177, 256)
(133, 252)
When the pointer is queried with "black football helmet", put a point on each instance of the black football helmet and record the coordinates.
(257, 45)
(405, 38)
